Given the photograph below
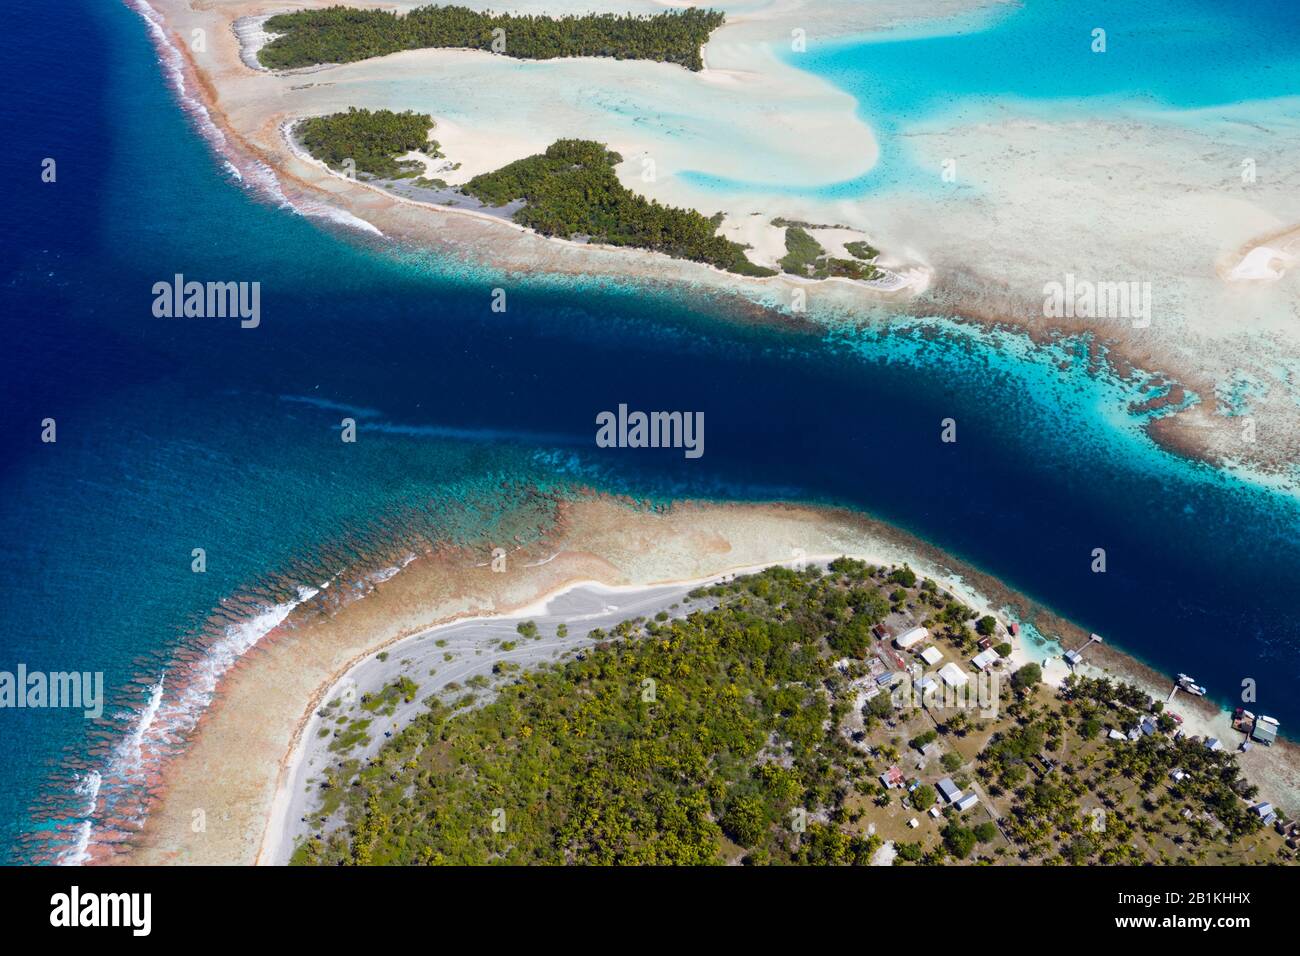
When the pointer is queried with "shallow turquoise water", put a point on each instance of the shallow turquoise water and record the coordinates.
(1037, 59)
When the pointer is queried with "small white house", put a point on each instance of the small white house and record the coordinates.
(985, 659)
(966, 802)
(952, 675)
(932, 655)
(1265, 729)
(915, 636)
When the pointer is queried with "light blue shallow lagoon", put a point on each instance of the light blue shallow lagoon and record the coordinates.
(1036, 58)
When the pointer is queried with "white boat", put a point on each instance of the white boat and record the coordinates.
(1190, 685)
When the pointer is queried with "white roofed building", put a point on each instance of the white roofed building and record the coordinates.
(915, 636)
(950, 791)
(952, 675)
(1264, 730)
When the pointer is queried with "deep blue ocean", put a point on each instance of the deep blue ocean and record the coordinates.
(183, 434)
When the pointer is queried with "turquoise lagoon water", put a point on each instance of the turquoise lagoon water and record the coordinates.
(1036, 59)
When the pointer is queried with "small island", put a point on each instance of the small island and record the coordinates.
(371, 139)
(569, 192)
(804, 256)
(341, 34)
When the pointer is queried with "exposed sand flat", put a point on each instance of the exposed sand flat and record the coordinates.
(766, 244)
(240, 764)
(644, 110)
(1058, 209)
(767, 241)
(1262, 263)
(763, 116)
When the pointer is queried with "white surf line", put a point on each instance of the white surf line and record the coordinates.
(165, 718)
(256, 175)
(252, 36)
(79, 853)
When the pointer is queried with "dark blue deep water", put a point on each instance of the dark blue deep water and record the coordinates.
(177, 434)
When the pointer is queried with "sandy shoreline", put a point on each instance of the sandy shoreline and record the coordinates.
(242, 757)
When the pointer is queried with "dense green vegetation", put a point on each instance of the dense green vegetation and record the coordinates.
(734, 734)
(372, 139)
(385, 702)
(581, 768)
(344, 34)
(801, 250)
(804, 256)
(571, 191)
(861, 250)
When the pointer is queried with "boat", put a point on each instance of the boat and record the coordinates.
(1190, 685)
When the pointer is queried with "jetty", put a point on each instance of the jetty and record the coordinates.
(1075, 657)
